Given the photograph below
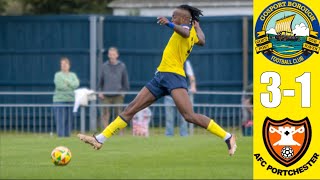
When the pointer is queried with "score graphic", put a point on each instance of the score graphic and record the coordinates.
(276, 92)
(286, 89)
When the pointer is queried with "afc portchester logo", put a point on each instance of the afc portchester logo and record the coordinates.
(287, 32)
(286, 140)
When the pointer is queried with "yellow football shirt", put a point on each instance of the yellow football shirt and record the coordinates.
(177, 51)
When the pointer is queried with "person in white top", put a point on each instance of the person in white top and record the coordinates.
(172, 113)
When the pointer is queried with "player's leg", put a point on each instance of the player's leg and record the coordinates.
(183, 125)
(144, 99)
(141, 101)
(182, 101)
(118, 109)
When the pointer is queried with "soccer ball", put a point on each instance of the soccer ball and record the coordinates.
(287, 152)
(61, 156)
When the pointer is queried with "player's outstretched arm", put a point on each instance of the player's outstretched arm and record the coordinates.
(184, 32)
(201, 37)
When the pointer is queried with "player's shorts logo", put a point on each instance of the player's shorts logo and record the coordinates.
(287, 32)
(287, 140)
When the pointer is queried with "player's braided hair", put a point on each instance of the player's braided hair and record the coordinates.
(195, 12)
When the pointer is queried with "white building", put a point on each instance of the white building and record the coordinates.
(165, 7)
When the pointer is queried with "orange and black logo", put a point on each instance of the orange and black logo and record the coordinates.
(286, 140)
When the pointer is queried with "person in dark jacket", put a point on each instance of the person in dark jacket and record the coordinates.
(113, 78)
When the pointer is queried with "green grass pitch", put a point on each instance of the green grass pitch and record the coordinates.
(27, 156)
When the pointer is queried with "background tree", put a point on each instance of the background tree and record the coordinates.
(3, 4)
(66, 6)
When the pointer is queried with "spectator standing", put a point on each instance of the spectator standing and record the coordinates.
(113, 78)
(65, 84)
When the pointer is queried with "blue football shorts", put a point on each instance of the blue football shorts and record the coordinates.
(164, 82)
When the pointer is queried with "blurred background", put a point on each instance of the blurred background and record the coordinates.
(35, 34)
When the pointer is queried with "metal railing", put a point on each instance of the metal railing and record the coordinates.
(38, 93)
(40, 118)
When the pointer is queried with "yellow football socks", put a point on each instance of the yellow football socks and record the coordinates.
(214, 128)
(114, 127)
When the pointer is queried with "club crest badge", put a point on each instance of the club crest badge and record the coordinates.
(287, 33)
(287, 140)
